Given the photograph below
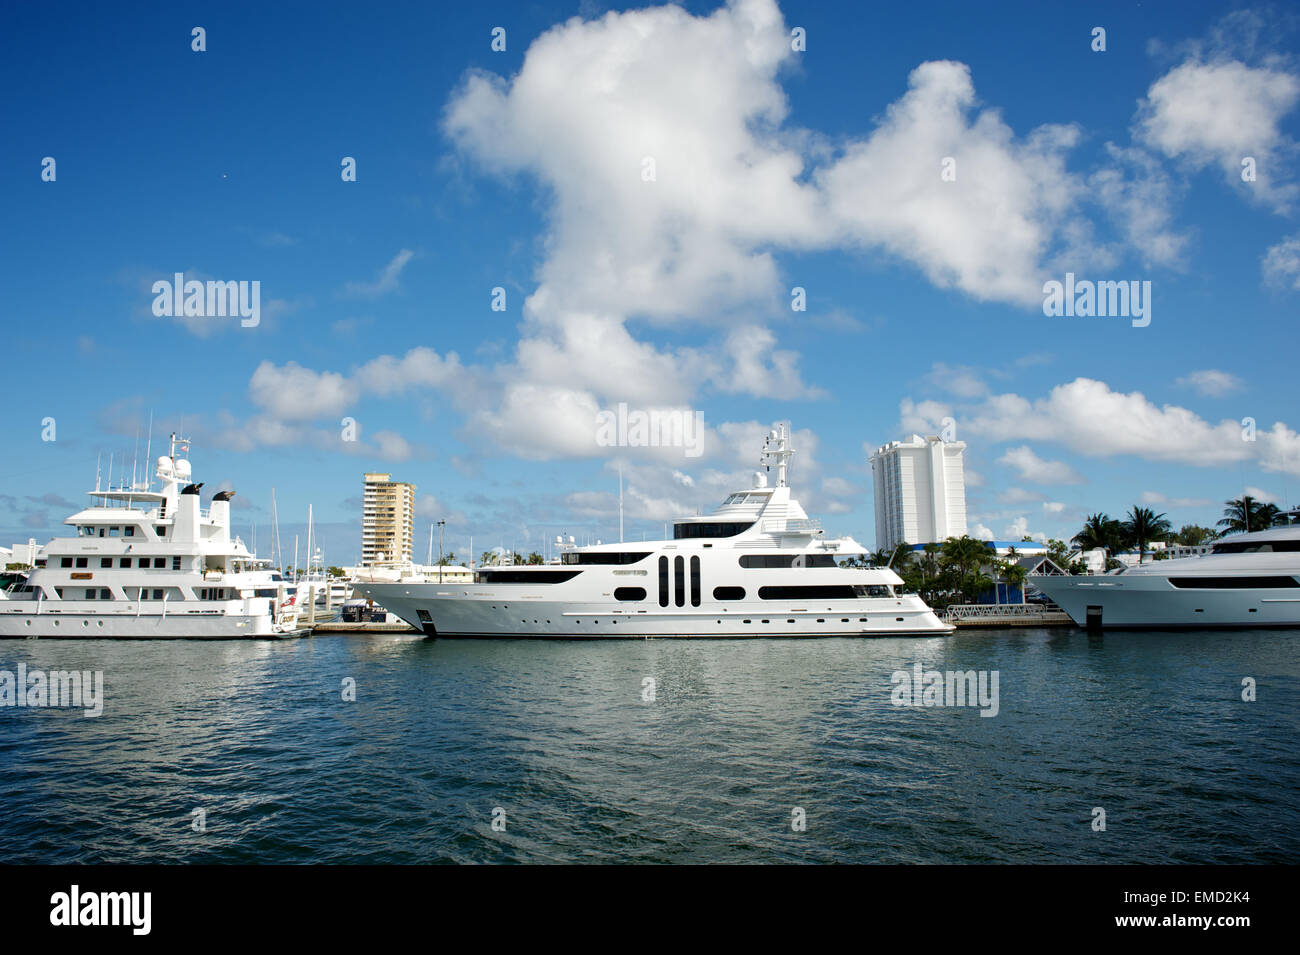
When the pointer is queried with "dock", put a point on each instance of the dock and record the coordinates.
(344, 626)
(1005, 615)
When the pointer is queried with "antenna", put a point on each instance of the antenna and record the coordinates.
(148, 456)
(620, 502)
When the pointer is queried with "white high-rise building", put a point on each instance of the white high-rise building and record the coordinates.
(920, 491)
(387, 520)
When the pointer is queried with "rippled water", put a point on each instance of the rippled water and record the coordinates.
(1149, 727)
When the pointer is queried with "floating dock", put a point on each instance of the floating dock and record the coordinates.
(1005, 615)
(344, 626)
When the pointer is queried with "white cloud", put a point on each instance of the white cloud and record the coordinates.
(1219, 113)
(981, 532)
(1211, 381)
(1035, 469)
(1156, 499)
(1281, 263)
(386, 281)
(1088, 417)
(1259, 494)
(1053, 507)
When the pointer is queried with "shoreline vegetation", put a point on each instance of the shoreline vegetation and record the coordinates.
(961, 569)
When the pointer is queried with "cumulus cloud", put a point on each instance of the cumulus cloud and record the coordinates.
(1211, 382)
(1157, 499)
(1089, 417)
(1219, 113)
(1281, 263)
(1033, 468)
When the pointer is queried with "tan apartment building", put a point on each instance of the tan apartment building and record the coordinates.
(387, 520)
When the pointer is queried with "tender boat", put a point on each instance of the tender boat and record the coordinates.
(756, 567)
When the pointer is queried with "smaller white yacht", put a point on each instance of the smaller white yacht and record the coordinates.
(1246, 580)
(149, 563)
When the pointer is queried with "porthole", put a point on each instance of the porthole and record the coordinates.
(99, 623)
(790, 620)
(85, 623)
(899, 619)
(821, 619)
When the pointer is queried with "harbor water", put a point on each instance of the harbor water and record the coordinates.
(760, 751)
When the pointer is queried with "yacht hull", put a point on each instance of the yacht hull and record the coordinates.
(1134, 602)
(436, 611)
(64, 625)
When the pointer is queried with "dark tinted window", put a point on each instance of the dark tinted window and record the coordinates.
(1255, 547)
(684, 531)
(1232, 583)
(787, 560)
(695, 581)
(728, 593)
(679, 581)
(81, 561)
(622, 557)
(663, 581)
(526, 576)
(629, 593)
(822, 592)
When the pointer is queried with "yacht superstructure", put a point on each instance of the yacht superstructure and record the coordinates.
(756, 566)
(1246, 580)
(148, 563)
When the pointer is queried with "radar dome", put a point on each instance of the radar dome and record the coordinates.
(183, 469)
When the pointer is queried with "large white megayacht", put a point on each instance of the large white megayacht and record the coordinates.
(1246, 580)
(756, 567)
(149, 563)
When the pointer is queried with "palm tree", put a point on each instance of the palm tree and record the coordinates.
(1144, 525)
(1101, 530)
(536, 558)
(1246, 514)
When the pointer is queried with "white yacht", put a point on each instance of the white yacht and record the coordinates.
(756, 567)
(148, 563)
(1246, 580)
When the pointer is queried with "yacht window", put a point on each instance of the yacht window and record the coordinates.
(160, 530)
(176, 563)
(679, 580)
(663, 581)
(105, 594)
(114, 531)
(787, 560)
(128, 531)
(629, 593)
(728, 593)
(1233, 583)
(65, 562)
(101, 532)
(82, 562)
(159, 563)
(695, 581)
(606, 557)
(1257, 547)
(126, 562)
(105, 562)
(687, 531)
(91, 594)
(823, 592)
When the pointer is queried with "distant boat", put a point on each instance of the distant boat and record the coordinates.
(1246, 580)
(756, 567)
(151, 564)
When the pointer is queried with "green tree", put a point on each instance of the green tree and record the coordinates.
(536, 558)
(1101, 530)
(1143, 526)
(1193, 535)
(1246, 514)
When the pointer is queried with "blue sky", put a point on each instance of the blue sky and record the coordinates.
(524, 170)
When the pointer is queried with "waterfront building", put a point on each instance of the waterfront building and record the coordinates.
(920, 491)
(387, 520)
